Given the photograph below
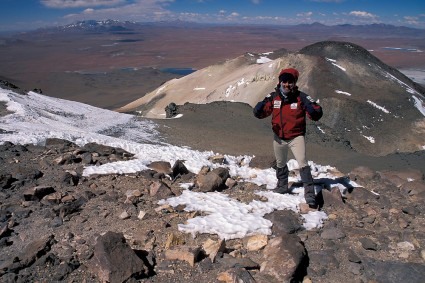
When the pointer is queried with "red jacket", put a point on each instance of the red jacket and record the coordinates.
(288, 113)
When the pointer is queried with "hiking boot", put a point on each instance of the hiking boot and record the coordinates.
(307, 179)
(282, 175)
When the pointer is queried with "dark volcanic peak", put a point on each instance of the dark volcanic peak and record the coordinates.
(340, 50)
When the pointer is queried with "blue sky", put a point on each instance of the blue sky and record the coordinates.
(31, 14)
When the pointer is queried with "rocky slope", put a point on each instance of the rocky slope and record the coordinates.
(366, 103)
(57, 225)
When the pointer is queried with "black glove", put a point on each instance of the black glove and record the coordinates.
(315, 112)
(258, 109)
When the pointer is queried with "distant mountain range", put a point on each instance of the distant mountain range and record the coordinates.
(377, 30)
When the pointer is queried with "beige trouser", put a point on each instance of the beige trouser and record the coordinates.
(297, 146)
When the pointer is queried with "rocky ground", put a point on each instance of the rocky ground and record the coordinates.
(60, 226)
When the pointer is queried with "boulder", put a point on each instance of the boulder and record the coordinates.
(283, 256)
(114, 260)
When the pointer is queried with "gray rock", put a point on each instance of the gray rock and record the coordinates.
(393, 272)
(355, 268)
(245, 262)
(29, 255)
(284, 222)
(37, 193)
(368, 244)
(411, 210)
(332, 233)
(114, 260)
(322, 260)
(353, 257)
(179, 169)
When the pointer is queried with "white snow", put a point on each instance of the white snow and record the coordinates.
(37, 117)
(407, 87)
(377, 106)
(160, 89)
(333, 62)
(419, 104)
(263, 60)
(371, 139)
(343, 92)
(230, 90)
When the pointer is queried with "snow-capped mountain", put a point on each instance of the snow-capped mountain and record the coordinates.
(98, 26)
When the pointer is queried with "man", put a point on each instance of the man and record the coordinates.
(289, 108)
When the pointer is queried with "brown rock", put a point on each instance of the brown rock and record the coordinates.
(236, 275)
(174, 240)
(37, 193)
(256, 242)
(208, 183)
(283, 255)
(159, 190)
(332, 199)
(212, 248)
(161, 167)
(413, 188)
(183, 253)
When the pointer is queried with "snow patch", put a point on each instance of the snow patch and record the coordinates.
(371, 139)
(343, 92)
(333, 62)
(378, 107)
(263, 60)
(419, 104)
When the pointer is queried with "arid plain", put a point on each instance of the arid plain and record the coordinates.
(110, 69)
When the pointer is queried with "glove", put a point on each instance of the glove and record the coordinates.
(258, 109)
(312, 108)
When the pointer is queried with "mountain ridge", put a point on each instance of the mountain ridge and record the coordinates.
(111, 25)
(370, 101)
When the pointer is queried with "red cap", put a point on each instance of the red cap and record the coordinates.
(291, 71)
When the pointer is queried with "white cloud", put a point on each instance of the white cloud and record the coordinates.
(411, 20)
(234, 14)
(306, 14)
(88, 11)
(255, 1)
(362, 14)
(140, 10)
(79, 3)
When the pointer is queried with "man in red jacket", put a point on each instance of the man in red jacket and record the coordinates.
(289, 108)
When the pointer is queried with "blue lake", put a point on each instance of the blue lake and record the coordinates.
(401, 49)
(178, 71)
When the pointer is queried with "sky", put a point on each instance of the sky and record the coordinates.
(35, 117)
(31, 14)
